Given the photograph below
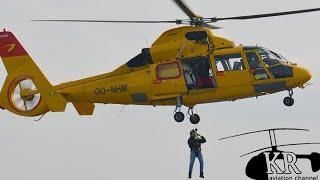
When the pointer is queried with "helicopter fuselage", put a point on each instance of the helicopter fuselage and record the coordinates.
(184, 66)
(158, 75)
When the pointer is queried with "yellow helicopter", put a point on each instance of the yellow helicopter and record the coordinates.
(185, 66)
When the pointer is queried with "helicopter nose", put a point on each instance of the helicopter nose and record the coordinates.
(302, 75)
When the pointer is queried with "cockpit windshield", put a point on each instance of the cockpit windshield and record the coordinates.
(270, 58)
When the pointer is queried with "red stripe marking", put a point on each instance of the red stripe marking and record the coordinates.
(220, 73)
(158, 81)
(10, 46)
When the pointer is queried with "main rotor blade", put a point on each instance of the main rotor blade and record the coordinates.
(265, 15)
(209, 26)
(185, 9)
(104, 21)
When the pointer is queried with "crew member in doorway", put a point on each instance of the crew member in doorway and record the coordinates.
(189, 76)
(194, 143)
(204, 80)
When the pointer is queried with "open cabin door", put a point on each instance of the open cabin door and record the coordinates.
(167, 79)
(198, 73)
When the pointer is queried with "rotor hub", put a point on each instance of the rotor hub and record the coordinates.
(25, 94)
(197, 21)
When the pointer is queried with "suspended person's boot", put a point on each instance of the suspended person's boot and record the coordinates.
(189, 175)
(201, 175)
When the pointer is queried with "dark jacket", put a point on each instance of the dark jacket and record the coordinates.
(195, 143)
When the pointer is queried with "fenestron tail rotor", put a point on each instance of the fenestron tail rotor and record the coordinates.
(22, 98)
(194, 20)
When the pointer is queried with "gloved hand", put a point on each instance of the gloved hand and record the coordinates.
(198, 137)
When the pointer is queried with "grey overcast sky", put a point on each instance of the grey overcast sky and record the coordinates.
(145, 142)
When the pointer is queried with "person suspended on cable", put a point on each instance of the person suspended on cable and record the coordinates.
(194, 143)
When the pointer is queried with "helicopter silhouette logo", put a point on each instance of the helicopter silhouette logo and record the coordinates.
(273, 162)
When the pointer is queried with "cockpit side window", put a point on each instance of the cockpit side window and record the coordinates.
(256, 67)
(281, 71)
(141, 59)
(253, 60)
(268, 57)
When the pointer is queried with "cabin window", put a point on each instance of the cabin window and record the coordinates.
(230, 62)
(141, 59)
(168, 70)
(256, 67)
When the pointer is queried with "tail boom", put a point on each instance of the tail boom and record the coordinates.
(22, 71)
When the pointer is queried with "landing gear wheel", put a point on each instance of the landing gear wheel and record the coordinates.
(195, 119)
(178, 116)
(288, 101)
